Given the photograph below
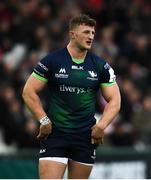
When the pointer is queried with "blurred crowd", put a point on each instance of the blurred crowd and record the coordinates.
(29, 29)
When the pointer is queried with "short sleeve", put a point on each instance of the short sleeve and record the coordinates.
(108, 77)
(41, 70)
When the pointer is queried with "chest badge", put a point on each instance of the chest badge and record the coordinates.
(62, 73)
(92, 76)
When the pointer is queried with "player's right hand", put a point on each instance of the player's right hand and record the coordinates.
(44, 131)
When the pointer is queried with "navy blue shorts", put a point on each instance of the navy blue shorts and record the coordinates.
(74, 146)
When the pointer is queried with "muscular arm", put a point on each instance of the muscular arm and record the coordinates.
(30, 95)
(112, 96)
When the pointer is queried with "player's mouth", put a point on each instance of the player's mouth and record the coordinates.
(89, 42)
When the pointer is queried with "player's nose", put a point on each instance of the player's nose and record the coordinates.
(91, 36)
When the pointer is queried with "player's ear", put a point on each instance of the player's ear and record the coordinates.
(71, 34)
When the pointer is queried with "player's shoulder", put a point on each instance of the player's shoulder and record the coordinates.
(52, 56)
(99, 61)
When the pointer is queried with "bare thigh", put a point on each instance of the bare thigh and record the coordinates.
(78, 171)
(51, 169)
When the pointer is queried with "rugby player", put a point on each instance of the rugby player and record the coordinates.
(68, 132)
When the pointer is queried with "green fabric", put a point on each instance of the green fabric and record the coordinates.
(77, 61)
(107, 84)
(18, 168)
(39, 77)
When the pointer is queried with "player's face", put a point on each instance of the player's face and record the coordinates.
(83, 36)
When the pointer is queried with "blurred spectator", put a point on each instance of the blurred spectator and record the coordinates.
(105, 46)
(122, 135)
(142, 121)
(13, 120)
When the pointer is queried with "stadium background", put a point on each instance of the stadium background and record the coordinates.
(29, 29)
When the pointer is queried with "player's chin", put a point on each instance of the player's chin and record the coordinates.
(87, 47)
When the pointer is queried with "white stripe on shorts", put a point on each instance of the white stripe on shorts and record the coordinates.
(57, 159)
(82, 163)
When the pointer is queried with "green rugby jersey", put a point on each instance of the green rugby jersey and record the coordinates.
(73, 88)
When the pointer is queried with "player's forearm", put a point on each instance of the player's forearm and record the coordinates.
(33, 102)
(110, 112)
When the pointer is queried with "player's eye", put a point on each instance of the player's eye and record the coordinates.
(86, 32)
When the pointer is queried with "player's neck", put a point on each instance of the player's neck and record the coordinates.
(75, 52)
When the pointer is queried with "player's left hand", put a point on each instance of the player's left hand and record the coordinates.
(97, 135)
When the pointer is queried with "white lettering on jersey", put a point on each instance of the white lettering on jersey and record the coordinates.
(94, 154)
(111, 72)
(73, 89)
(77, 67)
(62, 70)
(107, 66)
(43, 66)
(112, 75)
(62, 73)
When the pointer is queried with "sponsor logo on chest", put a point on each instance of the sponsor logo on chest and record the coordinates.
(74, 89)
(62, 73)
